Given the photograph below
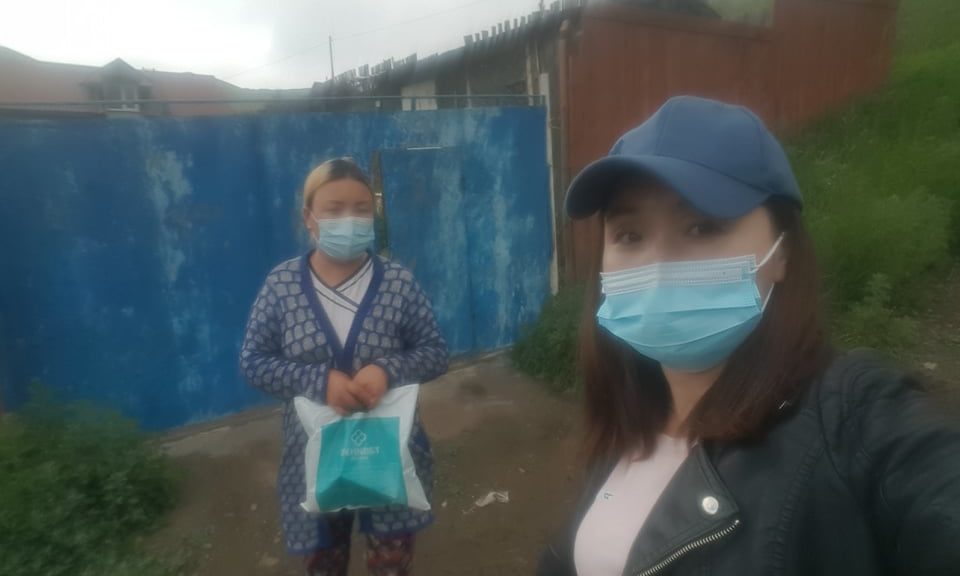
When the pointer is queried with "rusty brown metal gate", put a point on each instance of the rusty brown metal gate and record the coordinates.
(621, 63)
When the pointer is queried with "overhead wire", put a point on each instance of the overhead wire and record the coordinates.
(356, 35)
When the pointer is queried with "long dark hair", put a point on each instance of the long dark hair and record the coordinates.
(628, 401)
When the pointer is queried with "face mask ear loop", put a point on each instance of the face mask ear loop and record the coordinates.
(767, 299)
(770, 253)
(766, 259)
(316, 225)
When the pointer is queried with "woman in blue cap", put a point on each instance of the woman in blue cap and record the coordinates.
(342, 326)
(724, 435)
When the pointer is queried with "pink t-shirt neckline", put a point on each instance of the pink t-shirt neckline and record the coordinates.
(621, 506)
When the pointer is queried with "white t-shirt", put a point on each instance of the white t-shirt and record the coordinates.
(342, 302)
(611, 525)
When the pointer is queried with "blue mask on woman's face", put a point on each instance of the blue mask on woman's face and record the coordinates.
(344, 239)
(689, 316)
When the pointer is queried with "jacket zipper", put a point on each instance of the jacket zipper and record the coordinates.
(686, 549)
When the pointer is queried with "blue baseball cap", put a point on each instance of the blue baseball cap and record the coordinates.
(719, 157)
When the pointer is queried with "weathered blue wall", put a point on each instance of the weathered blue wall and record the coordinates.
(132, 249)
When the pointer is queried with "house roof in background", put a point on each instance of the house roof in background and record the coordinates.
(37, 81)
(29, 80)
(10, 53)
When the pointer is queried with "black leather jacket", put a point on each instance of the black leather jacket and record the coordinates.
(860, 476)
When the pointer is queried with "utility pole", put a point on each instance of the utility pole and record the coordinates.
(331, 57)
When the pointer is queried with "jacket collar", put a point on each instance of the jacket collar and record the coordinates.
(695, 509)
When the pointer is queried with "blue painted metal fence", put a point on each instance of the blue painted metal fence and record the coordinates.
(131, 250)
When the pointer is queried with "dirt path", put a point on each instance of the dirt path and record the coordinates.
(492, 430)
(937, 353)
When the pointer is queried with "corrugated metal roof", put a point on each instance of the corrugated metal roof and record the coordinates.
(476, 46)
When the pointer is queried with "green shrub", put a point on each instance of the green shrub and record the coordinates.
(548, 349)
(77, 485)
(900, 237)
(874, 323)
(881, 180)
(123, 563)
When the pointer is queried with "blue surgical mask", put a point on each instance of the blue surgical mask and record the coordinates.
(688, 316)
(346, 238)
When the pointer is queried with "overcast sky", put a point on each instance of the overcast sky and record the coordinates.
(251, 43)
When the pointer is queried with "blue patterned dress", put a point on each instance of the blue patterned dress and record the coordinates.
(290, 345)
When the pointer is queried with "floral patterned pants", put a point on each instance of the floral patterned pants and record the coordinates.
(385, 556)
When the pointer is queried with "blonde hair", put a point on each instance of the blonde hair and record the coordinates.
(332, 171)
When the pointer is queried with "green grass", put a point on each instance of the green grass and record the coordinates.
(750, 11)
(547, 351)
(882, 184)
(882, 180)
(78, 486)
(926, 26)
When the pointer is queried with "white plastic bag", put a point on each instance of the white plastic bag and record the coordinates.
(363, 460)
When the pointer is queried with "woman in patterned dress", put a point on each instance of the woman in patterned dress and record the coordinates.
(341, 326)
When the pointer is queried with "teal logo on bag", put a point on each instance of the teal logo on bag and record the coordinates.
(360, 465)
